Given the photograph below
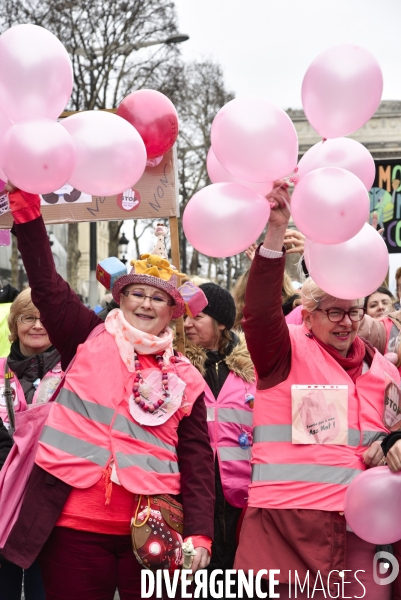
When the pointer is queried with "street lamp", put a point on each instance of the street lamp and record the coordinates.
(123, 248)
(176, 38)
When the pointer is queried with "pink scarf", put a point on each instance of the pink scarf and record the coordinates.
(130, 340)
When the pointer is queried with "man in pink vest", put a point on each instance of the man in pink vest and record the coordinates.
(317, 425)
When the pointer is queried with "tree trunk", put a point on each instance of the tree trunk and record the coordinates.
(73, 256)
(114, 233)
(193, 268)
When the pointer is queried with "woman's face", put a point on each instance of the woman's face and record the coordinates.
(145, 307)
(338, 335)
(33, 338)
(200, 330)
(378, 305)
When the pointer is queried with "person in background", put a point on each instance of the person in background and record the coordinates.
(223, 359)
(35, 365)
(380, 303)
(304, 454)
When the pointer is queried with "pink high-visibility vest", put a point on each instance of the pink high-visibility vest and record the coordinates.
(45, 390)
(90, 424)
(228, 416)
(314, 476)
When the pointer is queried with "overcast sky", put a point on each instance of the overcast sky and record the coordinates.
(265, 46)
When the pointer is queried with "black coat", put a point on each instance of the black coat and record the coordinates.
(30, 368)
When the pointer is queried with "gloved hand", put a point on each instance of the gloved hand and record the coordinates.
(23, 205)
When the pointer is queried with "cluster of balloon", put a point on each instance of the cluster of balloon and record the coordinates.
(372, 506)
(96, 152)
(341, 91)
(254, 143)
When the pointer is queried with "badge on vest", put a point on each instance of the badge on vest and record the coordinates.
(320, 414)
(392, 406)
(154, 391)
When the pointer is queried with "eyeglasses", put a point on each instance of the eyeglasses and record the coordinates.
(28, 319)
(335, 315)
(138, 298)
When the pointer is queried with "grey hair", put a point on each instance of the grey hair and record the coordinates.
(312, 295)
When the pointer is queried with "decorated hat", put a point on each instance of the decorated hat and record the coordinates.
(154, 269)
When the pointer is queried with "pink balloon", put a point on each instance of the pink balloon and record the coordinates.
(343, 153)
(220, 220)
(111, 156)
(341, 90)
(36, 74)
(330, 205)
(372, 506)
(218, 174)
(37, 156)
(350, 270)
(254, 140)
(155, 118)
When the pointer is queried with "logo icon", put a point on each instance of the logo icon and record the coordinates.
(382, 561)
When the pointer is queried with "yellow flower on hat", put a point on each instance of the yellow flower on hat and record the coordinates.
(154, 265)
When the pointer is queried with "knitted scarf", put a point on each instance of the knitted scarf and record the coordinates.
(353, 362)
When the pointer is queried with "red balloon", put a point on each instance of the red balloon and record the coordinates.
(155, 118)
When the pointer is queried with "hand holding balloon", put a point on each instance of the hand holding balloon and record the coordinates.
(372, 457)
(394, 457)
(279, 199)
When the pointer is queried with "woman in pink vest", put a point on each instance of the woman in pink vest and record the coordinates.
(223, 359)
(34, 365)
(317, 425)
(128, 423)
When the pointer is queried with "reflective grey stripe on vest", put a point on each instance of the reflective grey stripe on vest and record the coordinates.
(209, 414)
(368, 437)
(146, 462)
(104, 415)
(233, 453)
(272, 433)
(135, 431)
(233, 415)
(283, 433)
(75, 446)
(307, 473)
(85, 408)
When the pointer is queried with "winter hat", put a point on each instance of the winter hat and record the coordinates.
(221, 305)
(155, 270)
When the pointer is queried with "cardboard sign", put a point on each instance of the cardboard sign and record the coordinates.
(153, 196)
(320, 414)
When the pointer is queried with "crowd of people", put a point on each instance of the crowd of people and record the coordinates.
(276, 406)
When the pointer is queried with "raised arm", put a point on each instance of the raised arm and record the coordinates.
(264, 324)
(67, 321)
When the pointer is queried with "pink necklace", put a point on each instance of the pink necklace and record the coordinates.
(141, 390)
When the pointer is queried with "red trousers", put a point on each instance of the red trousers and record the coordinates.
(79, 565)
